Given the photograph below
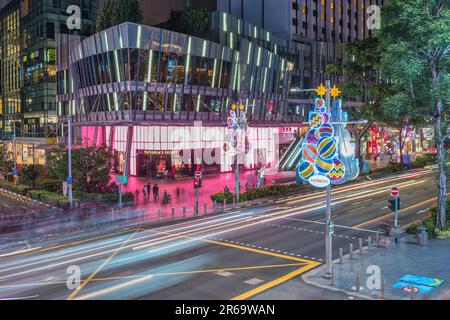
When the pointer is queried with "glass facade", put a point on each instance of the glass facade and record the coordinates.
(158, 74)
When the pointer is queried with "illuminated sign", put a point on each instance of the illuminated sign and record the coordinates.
(319, 181)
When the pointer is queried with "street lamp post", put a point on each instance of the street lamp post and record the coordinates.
(329, 223)
(68, 118)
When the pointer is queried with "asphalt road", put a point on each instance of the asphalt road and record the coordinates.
(237, 255)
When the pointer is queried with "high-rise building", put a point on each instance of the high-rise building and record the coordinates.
(28, 72)
(158, 11)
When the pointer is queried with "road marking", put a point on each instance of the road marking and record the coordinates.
(400, 211)
(254, 281)
(275, 282)
(225, 274)
(85, 282)
(19, 298)
(357, 209)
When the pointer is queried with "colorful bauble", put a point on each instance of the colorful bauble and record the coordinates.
(310, 153)
(311, 137)
(315, 120)
(324, 165)
(325, 131)
(305, 170)
(319, 104)
(326, 148)
(337, 172)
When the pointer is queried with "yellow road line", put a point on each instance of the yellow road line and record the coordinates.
(274, 283)
(393, 213)
(46, 283)
(85, 282)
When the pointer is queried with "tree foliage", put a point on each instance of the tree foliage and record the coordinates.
(30, 173)
(415, 41)
(91, 167)
(192, 21)
(114, 12)
(6, 160)
(360, 68)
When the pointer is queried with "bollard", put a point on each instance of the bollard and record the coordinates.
(351, 250)
(377, 238)
(358, 282)
(383, 283)
(333, 277)
(184, 212)
(370, 242)
(224, 204)
(205, 209)
(341, 256)
(159, 215)
(360, 246)
(173, 213)
(234, 202)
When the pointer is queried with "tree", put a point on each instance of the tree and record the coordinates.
(360, 68)
(192, 21)
(114, 12)
(6, 160)
(415, 41)
(91, 167)
(30, 173)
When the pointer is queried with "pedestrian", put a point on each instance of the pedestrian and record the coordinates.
(226, 189)
(155, 192)
(148, 189)
(178, 193)
(144, 192)
(136, 194)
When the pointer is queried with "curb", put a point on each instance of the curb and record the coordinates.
(24, 199)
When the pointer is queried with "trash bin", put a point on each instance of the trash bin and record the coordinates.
(422, 236)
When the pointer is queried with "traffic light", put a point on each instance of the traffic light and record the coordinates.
(394, 204)
(197, 183)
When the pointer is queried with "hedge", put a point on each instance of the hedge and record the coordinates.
(52, 185)
(253, 194)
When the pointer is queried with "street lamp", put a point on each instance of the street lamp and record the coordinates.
(236, 137)
(68, 119)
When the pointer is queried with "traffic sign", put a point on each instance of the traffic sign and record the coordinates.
(395, 192)
(69, 181)
(198, 175)
(409, 289)
(122, 179)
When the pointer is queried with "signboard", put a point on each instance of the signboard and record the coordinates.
(198, 175)
(122, 179)
(319, 181)
(69, 181)
(395, 192)
(424, 285)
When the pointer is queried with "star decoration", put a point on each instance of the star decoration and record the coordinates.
(335, 92)
(233, 106)
(321, 90)
(242, 107)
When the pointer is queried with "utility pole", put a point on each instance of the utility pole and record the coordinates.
(15, 173)
(329, 223)
(236, 171)
(69, 143)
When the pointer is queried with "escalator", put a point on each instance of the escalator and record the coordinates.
(292, 156)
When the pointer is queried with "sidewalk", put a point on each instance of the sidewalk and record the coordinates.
(210, 185)
(395, 262)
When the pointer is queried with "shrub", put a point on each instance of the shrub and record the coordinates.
(425, 160)
(36, 194)
(221, 196)
(51, 185)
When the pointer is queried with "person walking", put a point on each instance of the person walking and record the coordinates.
(148, 189)
(155, 192)
(178, 193)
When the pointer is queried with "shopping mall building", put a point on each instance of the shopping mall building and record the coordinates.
(161, 99)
